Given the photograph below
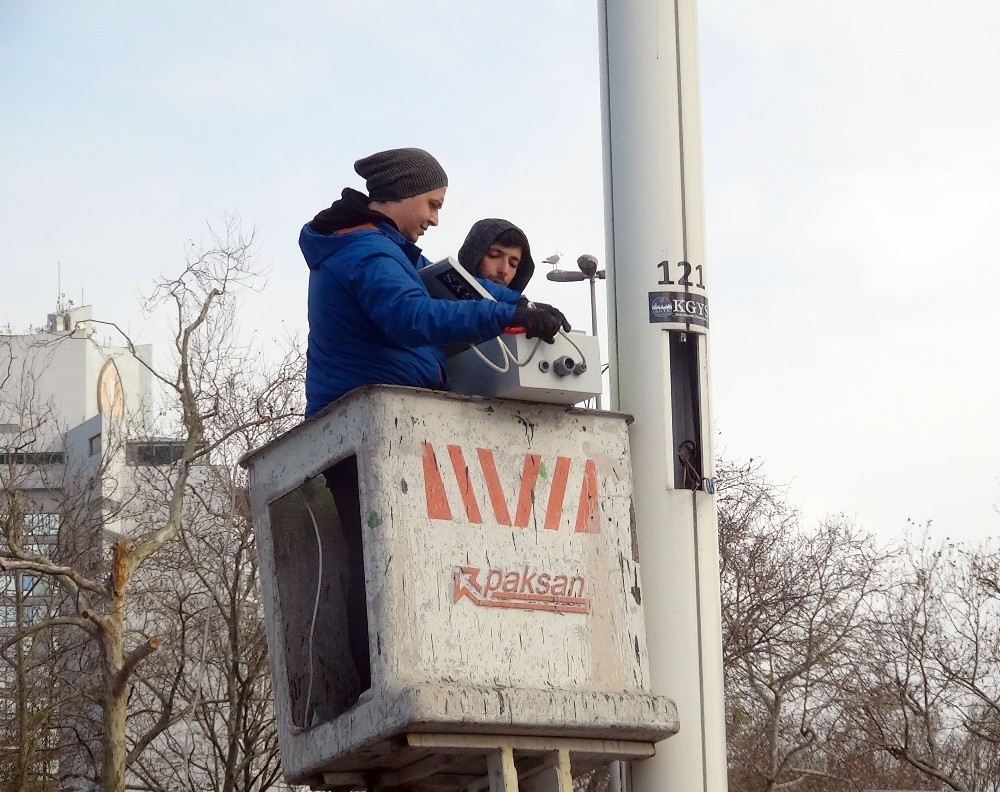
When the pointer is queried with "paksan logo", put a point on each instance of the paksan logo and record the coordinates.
(524, 589)
(438, 507)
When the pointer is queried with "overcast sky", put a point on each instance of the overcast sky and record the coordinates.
(852, 181)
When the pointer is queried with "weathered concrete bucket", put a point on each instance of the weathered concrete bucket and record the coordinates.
(495, 637)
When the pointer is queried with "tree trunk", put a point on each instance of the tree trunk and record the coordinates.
(115, 674)
(115, 699)
(24, 735)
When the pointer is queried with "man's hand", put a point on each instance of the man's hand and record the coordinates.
(539, 320)
(563, 321)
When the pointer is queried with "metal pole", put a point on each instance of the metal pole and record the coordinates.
(593, 325)
(658, 350)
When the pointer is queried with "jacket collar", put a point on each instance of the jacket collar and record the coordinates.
(411, 250)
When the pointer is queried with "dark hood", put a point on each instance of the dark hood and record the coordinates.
(319, 239)
(351, 210)
(478, 241)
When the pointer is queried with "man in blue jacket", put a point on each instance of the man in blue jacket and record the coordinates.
(371, 320)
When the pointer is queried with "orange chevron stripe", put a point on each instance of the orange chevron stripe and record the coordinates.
(464, 484)
(586, 513)
(526, 497)
(437, 499)
(553, 512)
(493, 488)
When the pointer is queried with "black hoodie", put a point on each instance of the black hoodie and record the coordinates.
(478, 241)
(351, 210)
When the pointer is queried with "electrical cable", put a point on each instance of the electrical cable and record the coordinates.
(527, 360)
(312, 622)
(504, 352)
(583, 358)
(509, 355)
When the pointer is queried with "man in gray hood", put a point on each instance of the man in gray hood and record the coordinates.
(498, 250)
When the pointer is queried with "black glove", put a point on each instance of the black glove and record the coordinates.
(539, 320)
(563, 321)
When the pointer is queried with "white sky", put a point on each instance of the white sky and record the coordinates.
(852, 175)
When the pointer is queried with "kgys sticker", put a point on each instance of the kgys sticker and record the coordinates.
(678, 308)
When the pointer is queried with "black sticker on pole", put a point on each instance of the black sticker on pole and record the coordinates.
(678, 308)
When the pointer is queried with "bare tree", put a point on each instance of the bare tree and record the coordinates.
(969, 654)
(228, 739)
(793, 607)
(28, 753)
(926, 682)
(98, 600)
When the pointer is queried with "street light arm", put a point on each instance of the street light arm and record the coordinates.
(564, 276)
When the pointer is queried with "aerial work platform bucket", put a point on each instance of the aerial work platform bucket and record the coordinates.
(490, 546)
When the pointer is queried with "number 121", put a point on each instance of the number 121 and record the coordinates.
(685, 278)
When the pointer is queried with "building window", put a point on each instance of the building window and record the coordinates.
(38, 525)
(8, 615)
(34, 586)
(95, 444)
(32, 458)
(164, 452)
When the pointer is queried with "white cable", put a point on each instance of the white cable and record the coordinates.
(527, 360)
(504, 353)
(507, 355)
(536, 347)
(583, 358)
(312, 623)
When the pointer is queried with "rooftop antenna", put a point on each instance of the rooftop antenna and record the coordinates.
(59, 305)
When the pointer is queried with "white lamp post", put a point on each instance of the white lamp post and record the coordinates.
(658, 326)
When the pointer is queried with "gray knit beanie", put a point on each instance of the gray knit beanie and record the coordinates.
(400, 173)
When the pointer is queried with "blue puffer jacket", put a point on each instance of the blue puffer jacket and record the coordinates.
(371, 319)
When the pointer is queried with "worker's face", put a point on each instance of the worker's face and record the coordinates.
(500, 263)
(416, 214)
